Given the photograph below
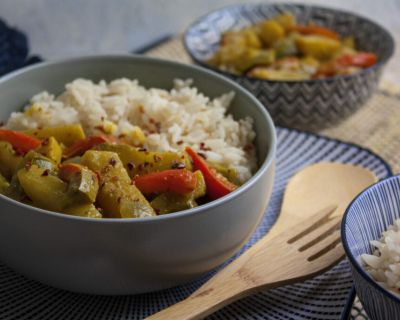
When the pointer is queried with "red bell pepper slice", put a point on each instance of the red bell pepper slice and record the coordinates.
(360, 59)
(217, 185)
(179, 181)
(83, 145)
(21, 142)
(317, 30)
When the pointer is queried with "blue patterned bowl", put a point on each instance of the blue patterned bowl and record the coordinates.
(365, 219)
(309, 104)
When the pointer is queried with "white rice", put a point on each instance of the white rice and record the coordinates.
(384, 264)
(170, 120)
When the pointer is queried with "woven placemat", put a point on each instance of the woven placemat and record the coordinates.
(376, 126)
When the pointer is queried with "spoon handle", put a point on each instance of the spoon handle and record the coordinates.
(237, 280)
(205, 301)
(230, 284)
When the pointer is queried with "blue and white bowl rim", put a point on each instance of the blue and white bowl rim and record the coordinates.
(349, 254)
(376, 66)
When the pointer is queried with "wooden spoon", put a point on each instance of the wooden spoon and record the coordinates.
(318, 186)
(313, 204)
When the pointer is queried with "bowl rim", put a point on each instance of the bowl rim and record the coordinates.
(378, 65)
(265, 165)
(346, 247)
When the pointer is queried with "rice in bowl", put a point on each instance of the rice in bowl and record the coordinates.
(157, 119)
(384, 263)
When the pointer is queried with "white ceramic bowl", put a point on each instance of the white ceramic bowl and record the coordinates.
(127, 256)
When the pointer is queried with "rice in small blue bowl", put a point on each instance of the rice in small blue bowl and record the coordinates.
(371, 239)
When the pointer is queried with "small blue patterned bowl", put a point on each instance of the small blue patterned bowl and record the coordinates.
(309, 104)
(365, 219)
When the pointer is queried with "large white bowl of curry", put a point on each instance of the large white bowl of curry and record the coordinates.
(128, 256)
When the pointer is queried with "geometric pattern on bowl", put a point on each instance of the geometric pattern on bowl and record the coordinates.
(367, 217)
(322, 297)
(309, 104)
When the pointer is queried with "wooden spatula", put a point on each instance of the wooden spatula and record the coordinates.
(301, 244)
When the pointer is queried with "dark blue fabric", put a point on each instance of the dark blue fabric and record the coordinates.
(14, 49)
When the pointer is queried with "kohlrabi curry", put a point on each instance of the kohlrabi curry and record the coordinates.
(62, 170)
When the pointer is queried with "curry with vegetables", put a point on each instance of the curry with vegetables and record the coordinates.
(281, 49)
(60, 169)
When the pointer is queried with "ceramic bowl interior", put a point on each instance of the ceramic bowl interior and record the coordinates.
(366, 218)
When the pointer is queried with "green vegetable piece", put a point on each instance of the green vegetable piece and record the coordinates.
(286, 20)
(15, 190)
(168, 202)
(67, 134)
(117, 196)
(84, 186)
(9, 160)
(46, 191)
(4, 184)
(51, 149)
(251, 38)
(140, 162)
(228, 172)
(286, 46)
(349, 42)
(35, 158)
(200, 190)
(270, 32)
(228, 55)
(84, 210)
(251, 57)
(317, 46)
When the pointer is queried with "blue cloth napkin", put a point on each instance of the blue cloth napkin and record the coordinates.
(14, 49)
